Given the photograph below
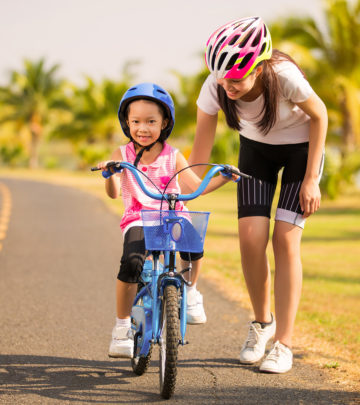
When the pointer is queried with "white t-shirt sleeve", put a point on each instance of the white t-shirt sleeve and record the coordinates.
(293, 84)
(208, 100)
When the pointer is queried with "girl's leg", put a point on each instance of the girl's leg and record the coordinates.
(254, 236)
(122, 342)
(131, 265)
(125, 295)
(288, 278)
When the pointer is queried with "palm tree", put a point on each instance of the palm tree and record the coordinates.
(331, 58)
(94, 109)
(94, 128)
(185, 100)
(30, 99)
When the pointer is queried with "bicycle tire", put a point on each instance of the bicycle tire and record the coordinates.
(140, 364)
(169, 341)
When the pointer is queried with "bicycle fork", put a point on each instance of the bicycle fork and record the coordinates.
(172, 277)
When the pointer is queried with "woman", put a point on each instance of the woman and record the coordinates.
(282, 125)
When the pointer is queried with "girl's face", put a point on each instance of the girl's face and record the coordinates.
(145, 121)
(238, 88)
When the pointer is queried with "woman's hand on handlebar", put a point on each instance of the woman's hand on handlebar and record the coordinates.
(231, 172)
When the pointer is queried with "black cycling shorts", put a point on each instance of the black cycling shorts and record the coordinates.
(263, 162)
(134, 254)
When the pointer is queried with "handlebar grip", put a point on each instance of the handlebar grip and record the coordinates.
(106, 174)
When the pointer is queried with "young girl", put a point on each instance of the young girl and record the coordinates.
(147, 117)
(282, 125)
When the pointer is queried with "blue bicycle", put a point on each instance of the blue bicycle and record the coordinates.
(159, 311)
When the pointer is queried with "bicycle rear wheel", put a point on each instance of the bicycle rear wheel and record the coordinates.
(169, 341)
(140, 363)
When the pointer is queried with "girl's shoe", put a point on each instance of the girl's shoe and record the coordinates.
(122, 342)
(279, 359)
(195, 313)
(253, 349)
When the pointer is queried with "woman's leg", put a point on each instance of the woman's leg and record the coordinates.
(195, 270)
(195, 307)
(254, 236)
(288, 278)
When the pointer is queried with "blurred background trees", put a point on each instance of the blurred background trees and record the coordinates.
(46, 121)
(330, 56)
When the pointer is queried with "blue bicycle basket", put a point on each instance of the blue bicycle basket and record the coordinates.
(182, 231)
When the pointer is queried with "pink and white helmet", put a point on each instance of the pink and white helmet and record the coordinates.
(234, 49)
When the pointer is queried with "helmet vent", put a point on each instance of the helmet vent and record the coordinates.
(209, 52)
(218, 35)
(232, 61)
(248, 24)
(246, 39)
(160, 91)
(221, 60)
(216, 51)
(263, 48)
(257, 39)
(234, 39)
(245, 60)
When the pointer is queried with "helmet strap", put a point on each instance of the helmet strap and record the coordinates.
(141, 151)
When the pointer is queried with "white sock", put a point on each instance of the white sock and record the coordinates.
(191, 287)
(124, 323)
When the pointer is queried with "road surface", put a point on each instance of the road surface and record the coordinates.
(59, 256)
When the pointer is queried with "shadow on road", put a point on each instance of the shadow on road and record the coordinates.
(67, 379)
(107, 382)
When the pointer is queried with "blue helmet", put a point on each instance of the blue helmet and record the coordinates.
(152, 92)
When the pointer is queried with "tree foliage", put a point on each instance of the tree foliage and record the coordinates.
(330, 56)
(30, 100)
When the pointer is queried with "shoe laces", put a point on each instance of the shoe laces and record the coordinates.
(252, 337)
(277, 350)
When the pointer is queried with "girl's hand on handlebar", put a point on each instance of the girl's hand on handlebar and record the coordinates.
(105, 165)
(109, 167)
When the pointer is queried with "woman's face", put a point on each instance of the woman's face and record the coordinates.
(238, 88)
(145, 121)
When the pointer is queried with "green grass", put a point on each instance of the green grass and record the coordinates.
(329, 311)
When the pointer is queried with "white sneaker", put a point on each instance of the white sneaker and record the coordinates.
(253, 349)
(279, 359)
(122, 342)
(195, 313)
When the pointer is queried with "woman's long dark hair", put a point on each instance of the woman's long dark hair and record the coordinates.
(271, 90)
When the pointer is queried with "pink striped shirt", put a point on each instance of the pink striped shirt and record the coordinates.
(160, 172)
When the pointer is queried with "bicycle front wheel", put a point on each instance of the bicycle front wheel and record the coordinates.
(169, 341)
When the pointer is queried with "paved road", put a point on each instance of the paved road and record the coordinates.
(58, 261)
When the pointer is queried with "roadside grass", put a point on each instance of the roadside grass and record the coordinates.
(327, 329)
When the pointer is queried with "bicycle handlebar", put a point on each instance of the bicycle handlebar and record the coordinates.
(119, 166)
